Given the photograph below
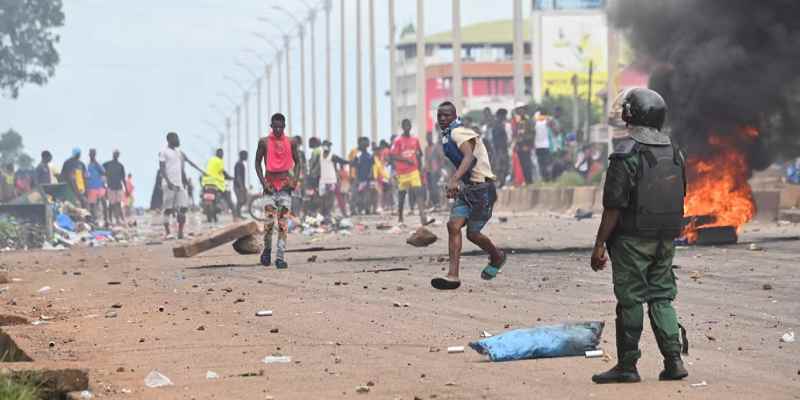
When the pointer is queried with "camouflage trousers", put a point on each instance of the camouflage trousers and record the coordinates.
(277, 210)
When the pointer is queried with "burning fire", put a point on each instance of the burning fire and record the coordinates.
(718, 192)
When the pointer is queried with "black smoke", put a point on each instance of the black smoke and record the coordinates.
(721, 64)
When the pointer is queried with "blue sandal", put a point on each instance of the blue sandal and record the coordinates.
(490, 271)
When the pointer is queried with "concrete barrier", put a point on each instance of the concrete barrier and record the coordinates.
(790, 197)
(767, 204)
(583, 197)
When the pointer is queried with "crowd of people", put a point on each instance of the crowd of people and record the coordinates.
(105, 189)
(400, 175)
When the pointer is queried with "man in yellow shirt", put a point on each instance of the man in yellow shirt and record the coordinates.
(216, 176)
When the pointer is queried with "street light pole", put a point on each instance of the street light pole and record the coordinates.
(229, 140)
(517, 53)
(268, 74)
(343, 61)
(420, 74)
(373, 101)
(302, 86)
(238, 128)
(328, 133)
(288, 86)
(311, 17)
(392, 70)
(457, 84)
(359, 79)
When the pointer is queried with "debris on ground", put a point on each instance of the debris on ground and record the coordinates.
(455, 349)
(422, 237)
(581, 214)
(264, 313)
(594, 354)
(277, 360)
(248, 245)
(156, 379)
(755, 247)
(362, 389)
(788, 337)
(215, 238)
(699, 384)
(212, 375)
(561, 340)
(767, 286)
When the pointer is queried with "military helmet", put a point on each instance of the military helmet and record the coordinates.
(643, 107)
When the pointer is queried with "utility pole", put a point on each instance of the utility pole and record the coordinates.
(392, 69)
(458, 87)
(328, 94)
(518, 50)
(268, 74)
(536, 55)
(246, 104)
(280, 83)
(302, 85)
(420, 74)
(343, 78)
(229, 141)
(359, 79)
(258, 110)
(373, 101)
(238, 128)
(311, 18)
(288, 87)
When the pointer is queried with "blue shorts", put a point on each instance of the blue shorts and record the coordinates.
(475, 206)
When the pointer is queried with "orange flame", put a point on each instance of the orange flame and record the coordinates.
(717, 183)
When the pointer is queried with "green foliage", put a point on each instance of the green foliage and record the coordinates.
(27, 43)
(24, 161)
(12, 389)
(11, 150)
(566, 104)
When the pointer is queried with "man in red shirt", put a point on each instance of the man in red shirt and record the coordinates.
(406, 154)
(278, 157)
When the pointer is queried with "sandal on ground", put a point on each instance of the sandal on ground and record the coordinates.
(491, 271)
(445, 283)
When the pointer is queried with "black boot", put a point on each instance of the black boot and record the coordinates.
(627, 354)
(618, 374)
(673, 369)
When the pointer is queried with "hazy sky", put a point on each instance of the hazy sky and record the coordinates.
(132, 70)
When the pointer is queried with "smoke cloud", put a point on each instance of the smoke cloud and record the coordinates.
(721, 64)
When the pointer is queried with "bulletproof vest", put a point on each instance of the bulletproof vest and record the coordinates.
(656, 207)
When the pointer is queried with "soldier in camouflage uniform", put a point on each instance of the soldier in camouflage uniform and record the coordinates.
(643, 213)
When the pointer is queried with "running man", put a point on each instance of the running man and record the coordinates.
(406, 154)
(278, 169)
(472, 187)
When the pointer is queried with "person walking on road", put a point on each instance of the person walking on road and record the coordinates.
(240, 184)
(278, 169)
(171, 163)
(117, 188)
(472, 187)
(406, 154)
(642, 214)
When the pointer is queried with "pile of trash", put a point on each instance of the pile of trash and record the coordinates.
(17, 235)
(74, 226)
(316, 225)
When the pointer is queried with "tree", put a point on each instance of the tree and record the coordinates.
(10, 146)
(11, 150)
(27, 43)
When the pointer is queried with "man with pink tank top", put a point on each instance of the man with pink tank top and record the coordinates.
(277, 168)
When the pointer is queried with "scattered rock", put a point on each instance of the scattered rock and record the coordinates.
(312, 259)
(201, 328)
(111, 314)
(116, 305)
(248, 245)
(788, 337)
(767, 286)
(212, 375)
(274, 330)
(422, 238)
(156, 379)
(362, 389)
(264, 313)
(755, 247)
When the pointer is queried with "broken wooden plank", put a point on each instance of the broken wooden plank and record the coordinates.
(216, 238)
(318, 248)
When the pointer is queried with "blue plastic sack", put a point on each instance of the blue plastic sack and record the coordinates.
(562, 340)
(65, 222)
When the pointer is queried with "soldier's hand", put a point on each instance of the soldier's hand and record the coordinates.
(599, 259)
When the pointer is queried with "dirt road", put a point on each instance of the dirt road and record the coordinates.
(338, 322)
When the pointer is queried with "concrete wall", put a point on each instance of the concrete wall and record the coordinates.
(569, 199)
